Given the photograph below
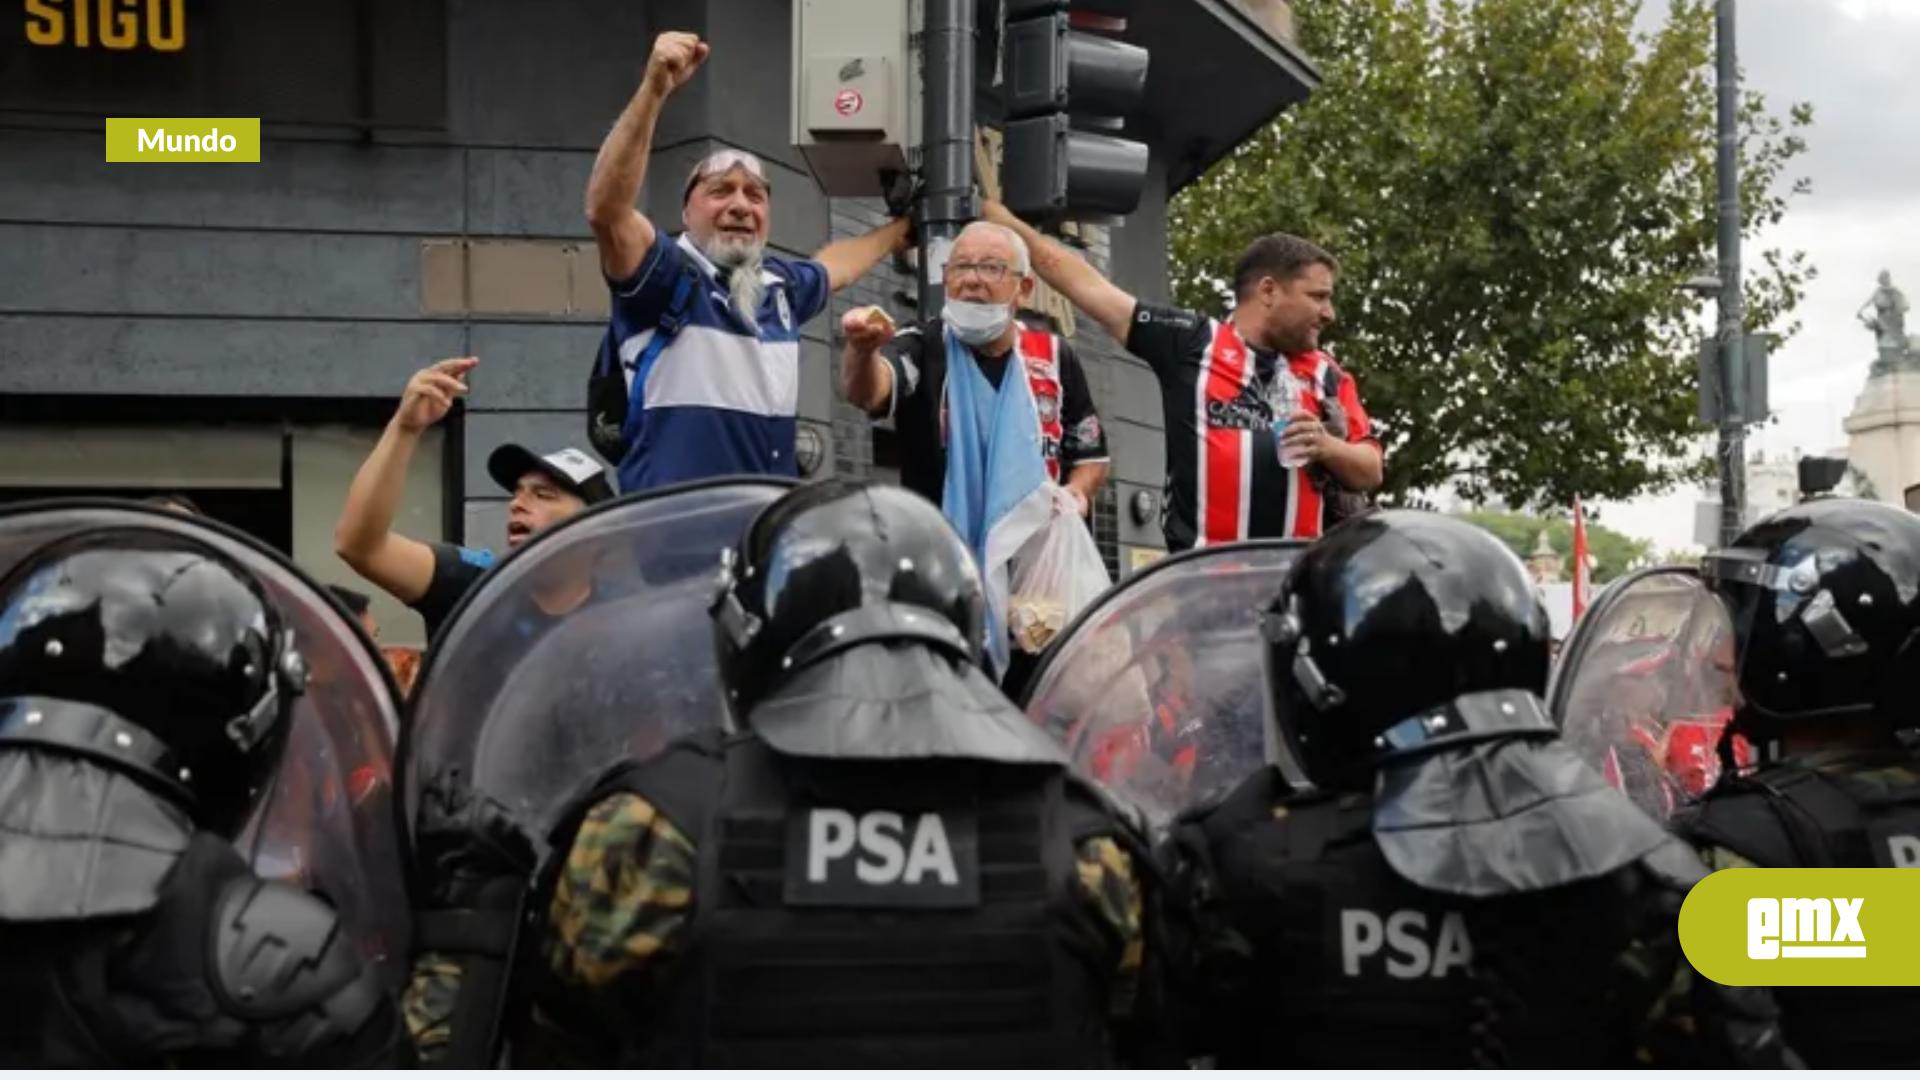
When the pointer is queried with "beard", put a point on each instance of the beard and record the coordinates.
(1290, 340)
(743, 260)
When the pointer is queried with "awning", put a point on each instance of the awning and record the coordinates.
(1219, 72)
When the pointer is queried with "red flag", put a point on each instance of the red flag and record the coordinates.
(1579, 560)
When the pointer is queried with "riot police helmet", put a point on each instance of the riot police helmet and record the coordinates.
(1825, 603)
(1383, 626)
(836, 564)
(158, 657)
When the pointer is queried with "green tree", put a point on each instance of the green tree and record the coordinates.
(1613, 553)
(1516, 190)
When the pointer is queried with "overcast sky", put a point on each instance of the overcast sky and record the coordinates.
(1858, 63)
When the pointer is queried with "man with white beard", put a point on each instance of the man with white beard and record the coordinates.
(705, 327)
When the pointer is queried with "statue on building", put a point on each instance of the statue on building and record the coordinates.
(1545, 565)
(1889, 325)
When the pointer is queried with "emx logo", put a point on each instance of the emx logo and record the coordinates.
(1821, 928)
(1754, 927)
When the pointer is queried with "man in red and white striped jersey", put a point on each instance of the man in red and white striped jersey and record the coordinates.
(1233, 472)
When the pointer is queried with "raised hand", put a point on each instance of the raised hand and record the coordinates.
(676, 56)
(866, 329)
(430, 393)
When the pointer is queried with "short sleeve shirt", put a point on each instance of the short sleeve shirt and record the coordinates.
(721, 397)
(918, 408)
(1224, 477)
(455, 570)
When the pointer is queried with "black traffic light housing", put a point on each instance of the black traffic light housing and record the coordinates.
(1068, 91)
(1820, 475)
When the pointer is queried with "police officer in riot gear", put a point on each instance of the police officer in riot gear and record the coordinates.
(1454, 888)
(1825, 603)
(883, 864)
(145, 687)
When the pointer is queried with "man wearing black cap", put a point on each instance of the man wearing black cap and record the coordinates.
(431, 577)
(699, 372)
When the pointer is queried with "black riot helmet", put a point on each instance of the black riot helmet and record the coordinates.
(1402, 631)
(1825, 602)
(154, 655)
(836, 564)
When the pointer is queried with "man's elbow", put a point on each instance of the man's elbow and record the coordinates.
(603, 217)
(352, 547)
(605, 208)
(1373, 470)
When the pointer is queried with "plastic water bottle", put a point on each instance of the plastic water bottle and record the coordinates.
(1285, 398)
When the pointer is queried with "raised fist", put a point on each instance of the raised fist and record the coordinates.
(676, 56)
(867, 328)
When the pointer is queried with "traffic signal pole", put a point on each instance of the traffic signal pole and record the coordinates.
(1732, 332)
(946, 148)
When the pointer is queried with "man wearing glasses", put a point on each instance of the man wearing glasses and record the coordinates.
(995, 420)
(904, 377)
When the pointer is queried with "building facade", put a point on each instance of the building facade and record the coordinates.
(242, 332)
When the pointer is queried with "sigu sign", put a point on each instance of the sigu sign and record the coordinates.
(124, 25)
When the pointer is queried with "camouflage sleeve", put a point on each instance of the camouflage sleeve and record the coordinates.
(427, 1004)
(1698, 1023)
(623, 897)
(1113, 895)
(620, 904)
(1719, 858)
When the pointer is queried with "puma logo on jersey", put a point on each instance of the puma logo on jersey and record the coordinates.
(882, 858)
(1405, 944)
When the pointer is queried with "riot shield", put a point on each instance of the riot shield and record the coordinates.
(328, 822)
(589, 647)
(1646, 685)
(1157, 689)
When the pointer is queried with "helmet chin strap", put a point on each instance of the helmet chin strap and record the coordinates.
(740, 625)
(288, 681)
(1284, 630)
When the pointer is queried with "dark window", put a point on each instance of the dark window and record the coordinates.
(356, 63)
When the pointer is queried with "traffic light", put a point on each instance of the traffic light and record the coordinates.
(1068, 92)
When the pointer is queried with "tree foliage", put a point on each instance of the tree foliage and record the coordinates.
(1516, 190)
(1613, 553)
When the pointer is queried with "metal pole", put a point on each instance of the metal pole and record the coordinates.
(1733, 307)
(946, 153)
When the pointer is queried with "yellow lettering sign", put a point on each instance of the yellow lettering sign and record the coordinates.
(46, 23)
(121, 25)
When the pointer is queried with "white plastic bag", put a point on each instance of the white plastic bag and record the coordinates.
(1055, 574)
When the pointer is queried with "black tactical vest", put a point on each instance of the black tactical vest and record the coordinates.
(1348, 965)
(223, 972)
(890, 914)
(1792, 816)
(121, 992)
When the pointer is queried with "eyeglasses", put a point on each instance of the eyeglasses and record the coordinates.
(993, 273)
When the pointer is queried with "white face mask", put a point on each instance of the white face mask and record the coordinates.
(975, 323)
